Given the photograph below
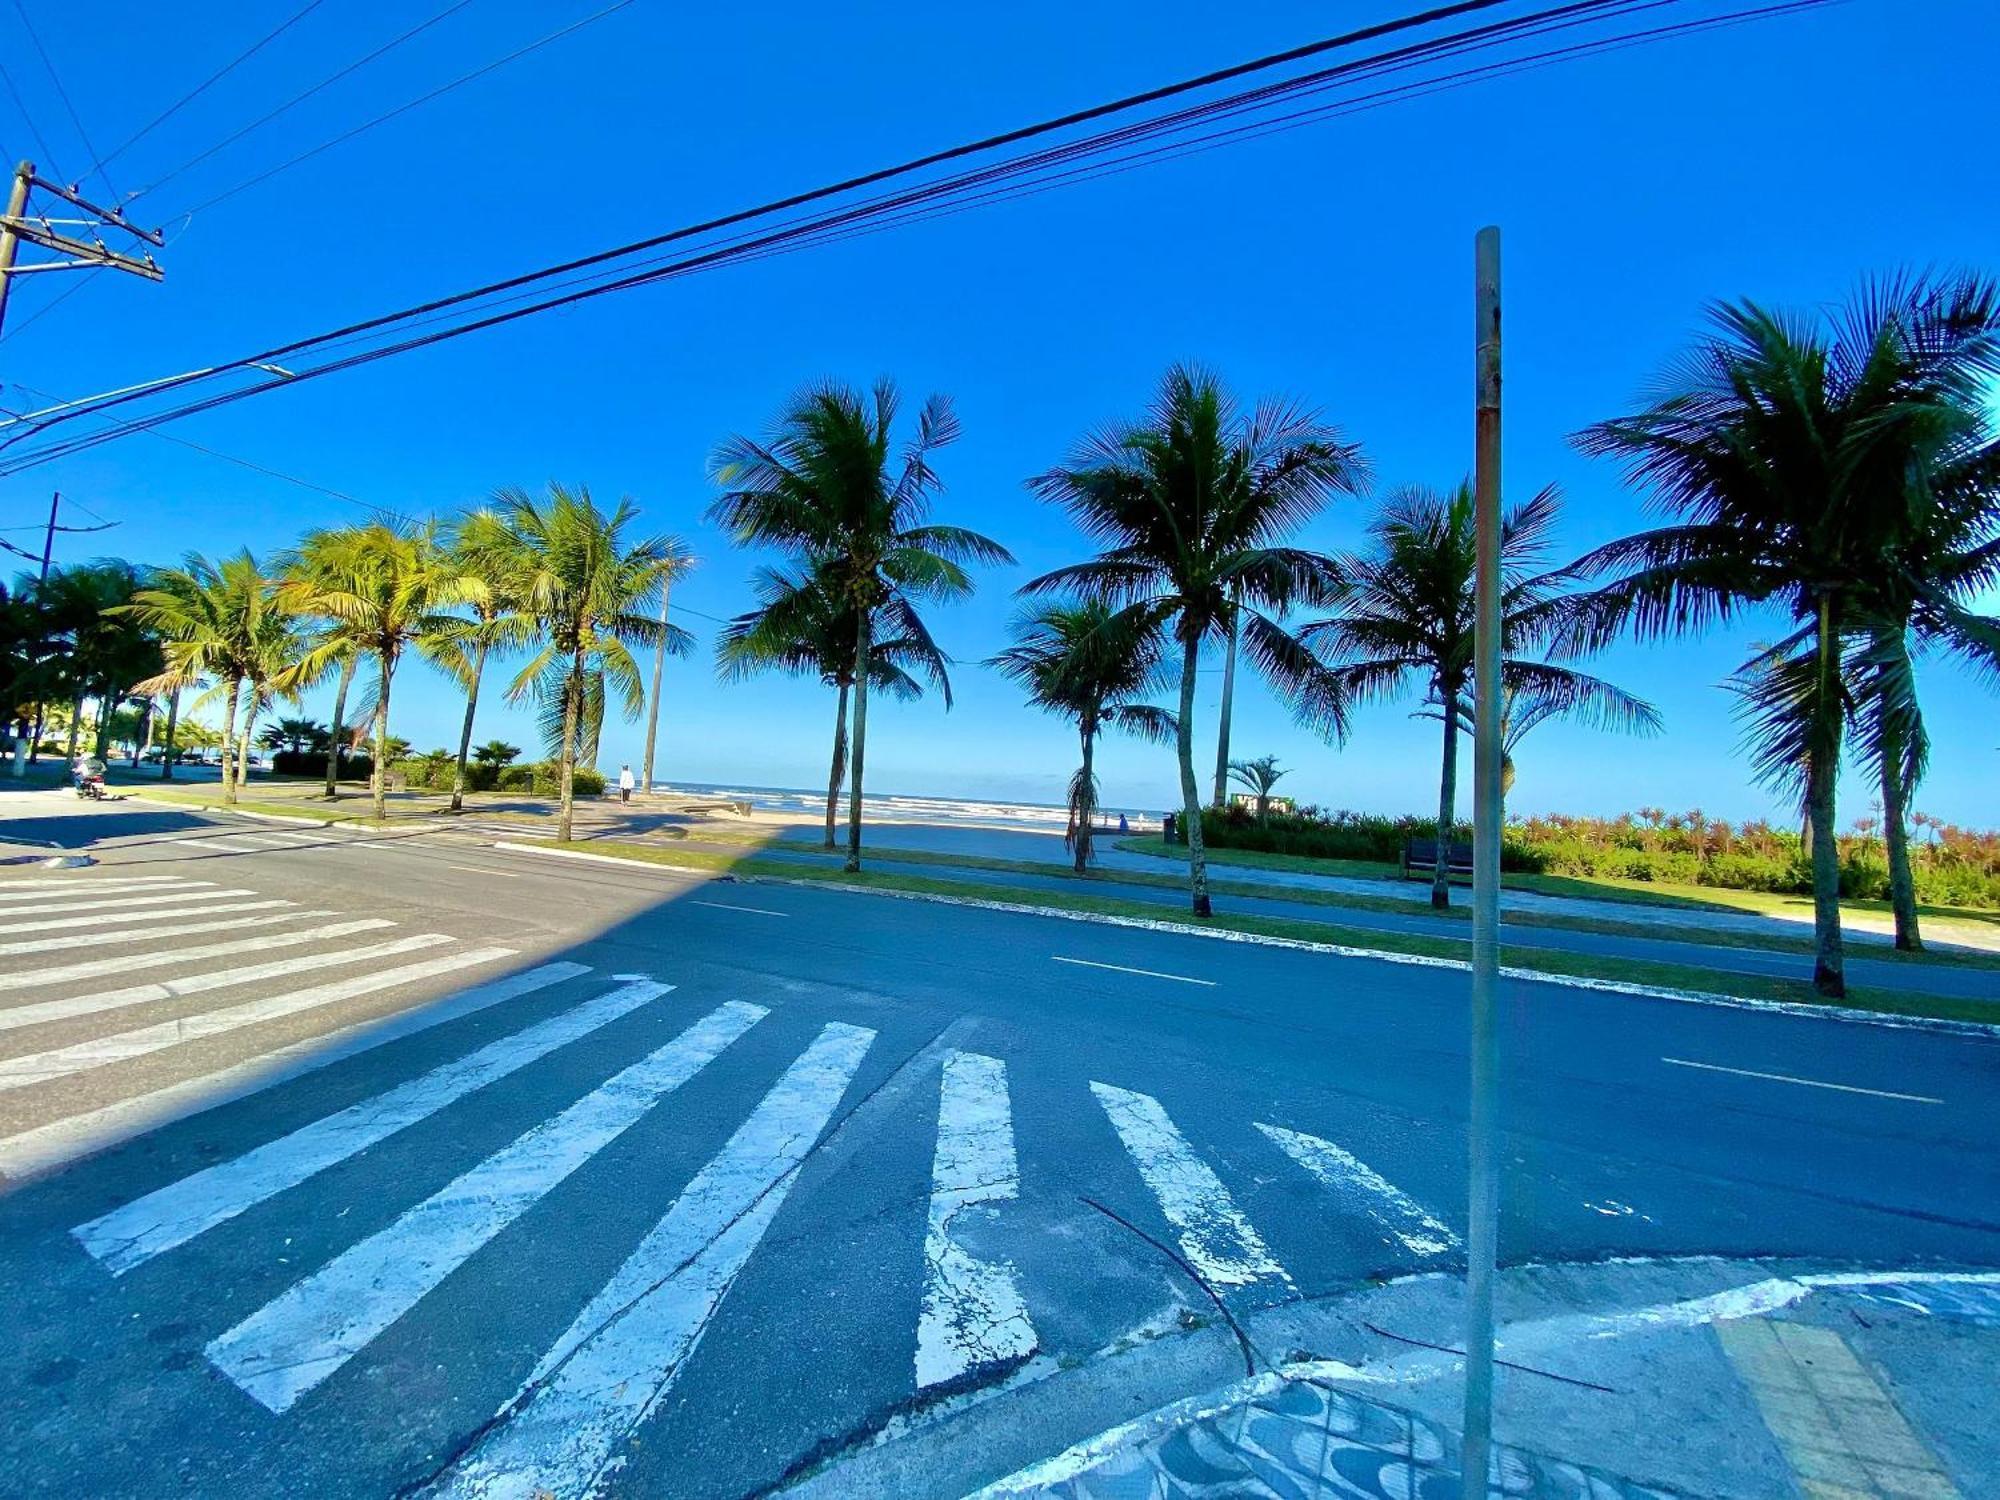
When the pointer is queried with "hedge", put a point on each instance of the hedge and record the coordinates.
(354, 765)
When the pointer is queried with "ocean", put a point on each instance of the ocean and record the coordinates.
(1031, 817)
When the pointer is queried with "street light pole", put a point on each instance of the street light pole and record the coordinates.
(1483, 1122)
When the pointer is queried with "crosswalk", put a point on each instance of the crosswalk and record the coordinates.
(236, 840)
(975, 1313)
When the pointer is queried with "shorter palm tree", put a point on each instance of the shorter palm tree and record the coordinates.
(1259, 778)
(1406, 613)
(587, 586)
(496, 753)
(1095, 666)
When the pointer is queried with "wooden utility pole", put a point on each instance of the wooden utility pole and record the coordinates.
(39, 229)
(1482, 1240)
(659, 675)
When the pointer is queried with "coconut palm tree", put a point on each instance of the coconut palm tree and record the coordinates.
(1097, 667)
(383, 588)
(1406, 616)
(321, 560)
(1259, 778)
(1193, 504)
(215, 621)
(574, 571)
(497, 754)
(803, 626)
(827, 489)
(483, 554)
(1782, 448)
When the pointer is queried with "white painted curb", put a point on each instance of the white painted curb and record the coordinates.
(1336, 950)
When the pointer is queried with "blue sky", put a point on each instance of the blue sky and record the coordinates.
(1781, 161)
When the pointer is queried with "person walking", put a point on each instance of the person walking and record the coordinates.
(626, 781)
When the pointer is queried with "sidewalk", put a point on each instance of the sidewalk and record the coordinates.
(1819, 1385)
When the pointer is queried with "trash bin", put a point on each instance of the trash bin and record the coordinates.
(1170, 828)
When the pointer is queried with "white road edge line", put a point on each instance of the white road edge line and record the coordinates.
(1218, 1241)
(30, 1153)
(973, 1313)
(302, 1336)
(756, 911)
(1810, 1083)
(170, 1216)
(616, 1362)
(1089, 963)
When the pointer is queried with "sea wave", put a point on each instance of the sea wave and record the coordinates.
(960, 811)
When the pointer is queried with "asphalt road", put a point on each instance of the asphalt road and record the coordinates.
(697, 1182)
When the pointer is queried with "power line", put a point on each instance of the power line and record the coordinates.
(300, 98)
(62, 93)
(214, 78)
(921, 201)
(41, 142)
(418, 102)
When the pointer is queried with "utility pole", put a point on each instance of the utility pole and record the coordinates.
(659, 674)
(1228, 701)
(84, 254)
(1483, 1117)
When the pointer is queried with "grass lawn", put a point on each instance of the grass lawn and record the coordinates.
(1672, 976)
(1942, 919)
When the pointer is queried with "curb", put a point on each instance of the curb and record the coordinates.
(1336, 950)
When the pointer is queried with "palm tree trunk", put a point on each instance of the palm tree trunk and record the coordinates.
(339, 723)
(1228, 705)
(380, 781)
(1086, 797)
(659, 677)
(75, 728)
(572, 710)
(863, 642)
(1447, 809)
(465, 730)
(1896, 840)
(1190, 793)
(839, 772)
(243, 735)
(104, 711)
(229, 723)
(143, 741)
(1822, 770)
(173, 723)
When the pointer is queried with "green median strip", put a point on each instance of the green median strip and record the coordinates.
(1573, 965)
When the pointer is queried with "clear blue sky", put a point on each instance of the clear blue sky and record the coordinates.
(1334, 263)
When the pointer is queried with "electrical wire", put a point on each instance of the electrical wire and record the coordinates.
(418, 102)
(206, 84)
(951, 195)
(96, 163)
(300, 98)
(34, 130)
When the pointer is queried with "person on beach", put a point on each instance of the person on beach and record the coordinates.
(626, 781)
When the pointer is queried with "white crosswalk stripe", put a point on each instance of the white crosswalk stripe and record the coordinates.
(297, 1340)
(1406, 1221)
(149, 1226)
(44, 1148)
(126, 963)
(616, 1361)
(220, 845)
(84, 920)
(122, 901)
(199, 984)
(1214, 1236)
(30, 890)
(973, 1315)
(60, 1062)
(116, 935)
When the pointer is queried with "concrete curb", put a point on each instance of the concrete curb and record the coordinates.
(1336, 950)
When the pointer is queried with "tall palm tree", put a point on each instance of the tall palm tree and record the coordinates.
(1096, 667)
(803, 626)
(483, 554)
(384, 588)
(586, 585)
(1193, 505)
(322, 559)
(214, 620)
(1260, 778)
(1407, 615)
(827, 488)
(1782, 448)
(679, 563)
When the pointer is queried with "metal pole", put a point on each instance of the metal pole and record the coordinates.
(49, 535)
(17, 204)
(659, 672)
(1483, 1125)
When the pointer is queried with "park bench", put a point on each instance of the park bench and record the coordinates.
(1420, 857)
